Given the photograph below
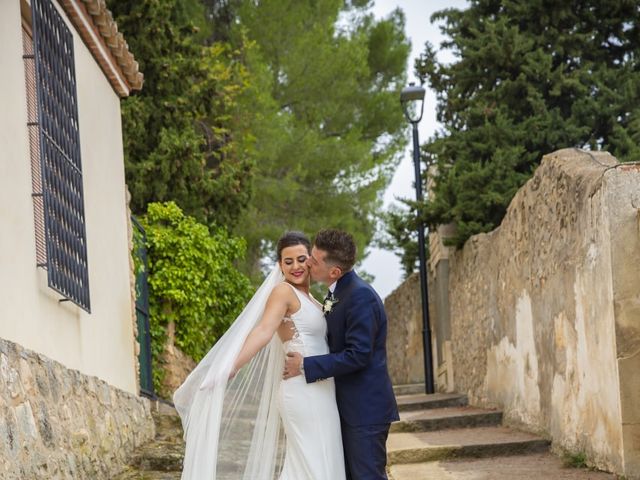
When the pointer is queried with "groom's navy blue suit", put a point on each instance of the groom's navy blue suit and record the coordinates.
(357, 334)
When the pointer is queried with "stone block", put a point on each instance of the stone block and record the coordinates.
(26, 422)
(42, 380)
(9, 433)
(104, 394)
(44, 425)
(28, 382)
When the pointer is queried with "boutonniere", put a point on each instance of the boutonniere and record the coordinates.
(328, 304)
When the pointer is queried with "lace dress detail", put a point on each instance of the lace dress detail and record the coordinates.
(295, 343)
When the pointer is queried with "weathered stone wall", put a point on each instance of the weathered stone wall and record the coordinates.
(404, 334)
(545, 310)
(59, 423)
(177, 366)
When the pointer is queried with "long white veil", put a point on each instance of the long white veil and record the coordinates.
(232, 427)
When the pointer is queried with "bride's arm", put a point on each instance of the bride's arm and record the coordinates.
(274, 311)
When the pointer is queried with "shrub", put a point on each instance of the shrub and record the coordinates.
(194, 284)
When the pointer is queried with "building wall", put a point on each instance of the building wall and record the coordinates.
(544, 310)
(100, 343)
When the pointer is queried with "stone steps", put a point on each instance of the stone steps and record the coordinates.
(464, 442)
(162, 458)
(409, 389)
(136, 474)
(533, 466)
(445, 418)
(159, 455)
(440, 437)
(423, 401)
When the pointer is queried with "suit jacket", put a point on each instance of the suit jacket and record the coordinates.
(357, 334)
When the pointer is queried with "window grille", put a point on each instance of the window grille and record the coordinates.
(57, 174)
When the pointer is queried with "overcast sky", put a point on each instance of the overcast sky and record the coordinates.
(384, 265)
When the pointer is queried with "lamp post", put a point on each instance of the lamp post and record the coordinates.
(412, 101)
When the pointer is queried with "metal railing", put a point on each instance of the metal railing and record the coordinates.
(142, 310)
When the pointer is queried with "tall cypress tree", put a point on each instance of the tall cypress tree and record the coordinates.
(184, 139)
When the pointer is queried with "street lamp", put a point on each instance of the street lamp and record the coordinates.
(412, 101)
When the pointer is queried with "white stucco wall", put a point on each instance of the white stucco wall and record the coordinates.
(100, 343)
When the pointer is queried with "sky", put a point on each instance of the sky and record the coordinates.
(385, 265)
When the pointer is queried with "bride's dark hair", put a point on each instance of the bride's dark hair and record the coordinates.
(290, 239)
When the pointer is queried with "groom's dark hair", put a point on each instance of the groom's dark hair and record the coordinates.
(340, 247)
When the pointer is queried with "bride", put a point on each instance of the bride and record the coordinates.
(235, 406)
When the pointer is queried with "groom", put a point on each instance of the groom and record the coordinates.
(357, 332)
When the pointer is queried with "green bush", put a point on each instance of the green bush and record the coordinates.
(193, 282)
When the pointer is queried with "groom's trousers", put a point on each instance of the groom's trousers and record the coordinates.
(365, 451)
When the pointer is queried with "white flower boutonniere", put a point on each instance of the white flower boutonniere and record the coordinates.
(328, 304)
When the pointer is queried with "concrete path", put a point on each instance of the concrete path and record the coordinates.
(439, 437)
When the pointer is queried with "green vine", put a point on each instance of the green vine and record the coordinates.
(193, 282)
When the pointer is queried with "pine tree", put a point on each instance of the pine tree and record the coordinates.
(327, 123)
(529, 77)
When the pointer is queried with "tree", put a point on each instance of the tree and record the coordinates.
(401, 236)
(530, 77)
(326, 122)
(183, 135)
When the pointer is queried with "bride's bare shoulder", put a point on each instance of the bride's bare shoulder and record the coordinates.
(282, 292)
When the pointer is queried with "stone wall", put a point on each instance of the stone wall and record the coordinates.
(59, 423)
(177, 366)
(404, 335)
(545, 310)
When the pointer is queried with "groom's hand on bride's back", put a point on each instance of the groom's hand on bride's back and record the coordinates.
(292, 365)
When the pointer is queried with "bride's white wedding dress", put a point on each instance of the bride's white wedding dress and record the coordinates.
(234, 427)
(308, 410)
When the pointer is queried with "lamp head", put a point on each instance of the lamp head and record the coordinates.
(412, 95)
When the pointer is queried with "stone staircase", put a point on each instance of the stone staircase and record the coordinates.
(162, 458)
(440, 437)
